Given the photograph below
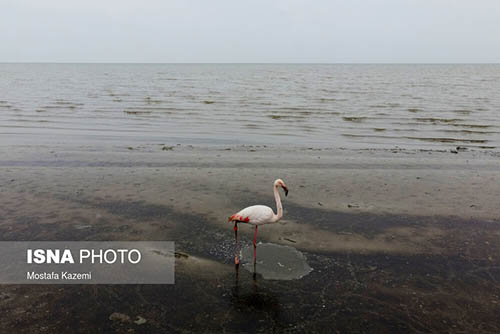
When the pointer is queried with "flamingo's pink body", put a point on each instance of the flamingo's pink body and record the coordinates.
(258, 215)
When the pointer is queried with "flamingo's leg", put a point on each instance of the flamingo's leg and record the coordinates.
(255, 245)
(236, 259)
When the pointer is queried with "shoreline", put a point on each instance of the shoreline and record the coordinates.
(395, 181)
(380, 230)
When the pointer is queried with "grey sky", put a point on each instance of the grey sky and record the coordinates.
(249, 31)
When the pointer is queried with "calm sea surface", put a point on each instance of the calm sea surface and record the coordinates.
(351, 106)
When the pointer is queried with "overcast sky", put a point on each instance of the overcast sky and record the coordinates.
(348, 31)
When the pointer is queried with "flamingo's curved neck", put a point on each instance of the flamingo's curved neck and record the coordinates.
(279, 208)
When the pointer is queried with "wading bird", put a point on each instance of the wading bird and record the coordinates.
(258, 215)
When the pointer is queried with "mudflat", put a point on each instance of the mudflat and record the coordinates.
(397, 239)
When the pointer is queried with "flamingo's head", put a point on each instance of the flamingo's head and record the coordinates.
(280, 183)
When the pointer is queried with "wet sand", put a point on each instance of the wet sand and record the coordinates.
(399, 240)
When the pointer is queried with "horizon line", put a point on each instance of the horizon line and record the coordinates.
(250, 63)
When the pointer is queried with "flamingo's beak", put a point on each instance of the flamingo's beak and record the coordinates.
(286, 190)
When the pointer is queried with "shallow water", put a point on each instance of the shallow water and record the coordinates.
(412, 106)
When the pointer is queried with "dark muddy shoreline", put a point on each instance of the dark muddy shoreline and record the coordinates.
(370, 283)
(399, 241)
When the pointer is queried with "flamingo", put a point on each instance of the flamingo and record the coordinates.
(258, 215)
